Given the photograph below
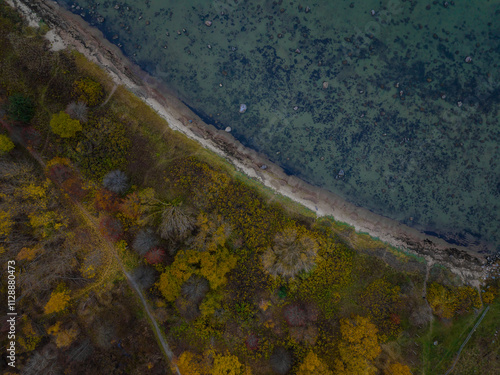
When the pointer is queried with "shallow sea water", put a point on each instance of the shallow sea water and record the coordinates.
(407, 126)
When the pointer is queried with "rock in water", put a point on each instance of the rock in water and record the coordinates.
(243, 108)
(228, 129)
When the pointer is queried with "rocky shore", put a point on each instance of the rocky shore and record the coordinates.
(70, 30)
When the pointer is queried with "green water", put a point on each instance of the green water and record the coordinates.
(412, 125)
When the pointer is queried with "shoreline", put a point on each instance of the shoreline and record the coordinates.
(73, 31)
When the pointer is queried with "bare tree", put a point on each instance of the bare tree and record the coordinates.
(175, 223)
(281, 360)
(78, 111)
(145, 241)
(116, 181)
(195, 288)
(290, 254)
(144, 276)
(42, 361)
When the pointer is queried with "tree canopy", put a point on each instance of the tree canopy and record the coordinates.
(312, 364)
(20, 108)
(64, 126)
(359, 346)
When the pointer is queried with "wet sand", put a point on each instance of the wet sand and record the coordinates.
(467, 262)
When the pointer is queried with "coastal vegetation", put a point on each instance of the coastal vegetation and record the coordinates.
(239, 279)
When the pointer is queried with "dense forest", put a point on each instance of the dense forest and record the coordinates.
(101, 203)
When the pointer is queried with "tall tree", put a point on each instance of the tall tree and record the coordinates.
(20, 108)
(359, 346)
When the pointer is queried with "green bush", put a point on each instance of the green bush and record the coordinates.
(20, 108)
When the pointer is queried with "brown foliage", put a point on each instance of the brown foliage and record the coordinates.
(110, 228)
(73, 186)
(106, 200)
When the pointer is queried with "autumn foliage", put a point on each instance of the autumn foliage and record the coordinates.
(397, 369)
(359, 346)
(63, 337)
(106, 200)
(6, 145)
(103, 147)
(110, 228)
(211, 189)
(211, 265)
(229, 365)
(190, 364)
(382, 302)
(64, 126)
(131, 206)
(155, 255)
(58, 301)
(447, 302)
(88, 91)
(312, 364)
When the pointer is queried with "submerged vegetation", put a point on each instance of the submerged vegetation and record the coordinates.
(239, 280)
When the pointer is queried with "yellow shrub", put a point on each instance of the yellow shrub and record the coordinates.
(189, 364)
(447, 302)
(44, 223)
(57, 160)
(28, 253)
(5, 223)
(6, 144)
(63, 337)
(212, 265)
(89, 91)
(359, 346)
(397, 369)
(229, 365)
(312, 364)
(64, 126)
(489, 295)
(58, 301)
(28, 337)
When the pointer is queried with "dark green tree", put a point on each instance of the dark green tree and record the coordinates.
(21, 108)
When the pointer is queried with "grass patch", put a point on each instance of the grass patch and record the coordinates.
(450, 336)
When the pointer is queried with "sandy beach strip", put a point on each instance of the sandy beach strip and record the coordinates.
(70, 30)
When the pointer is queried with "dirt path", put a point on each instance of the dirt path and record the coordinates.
(110, 95)
(429, 264)
(110, 249)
